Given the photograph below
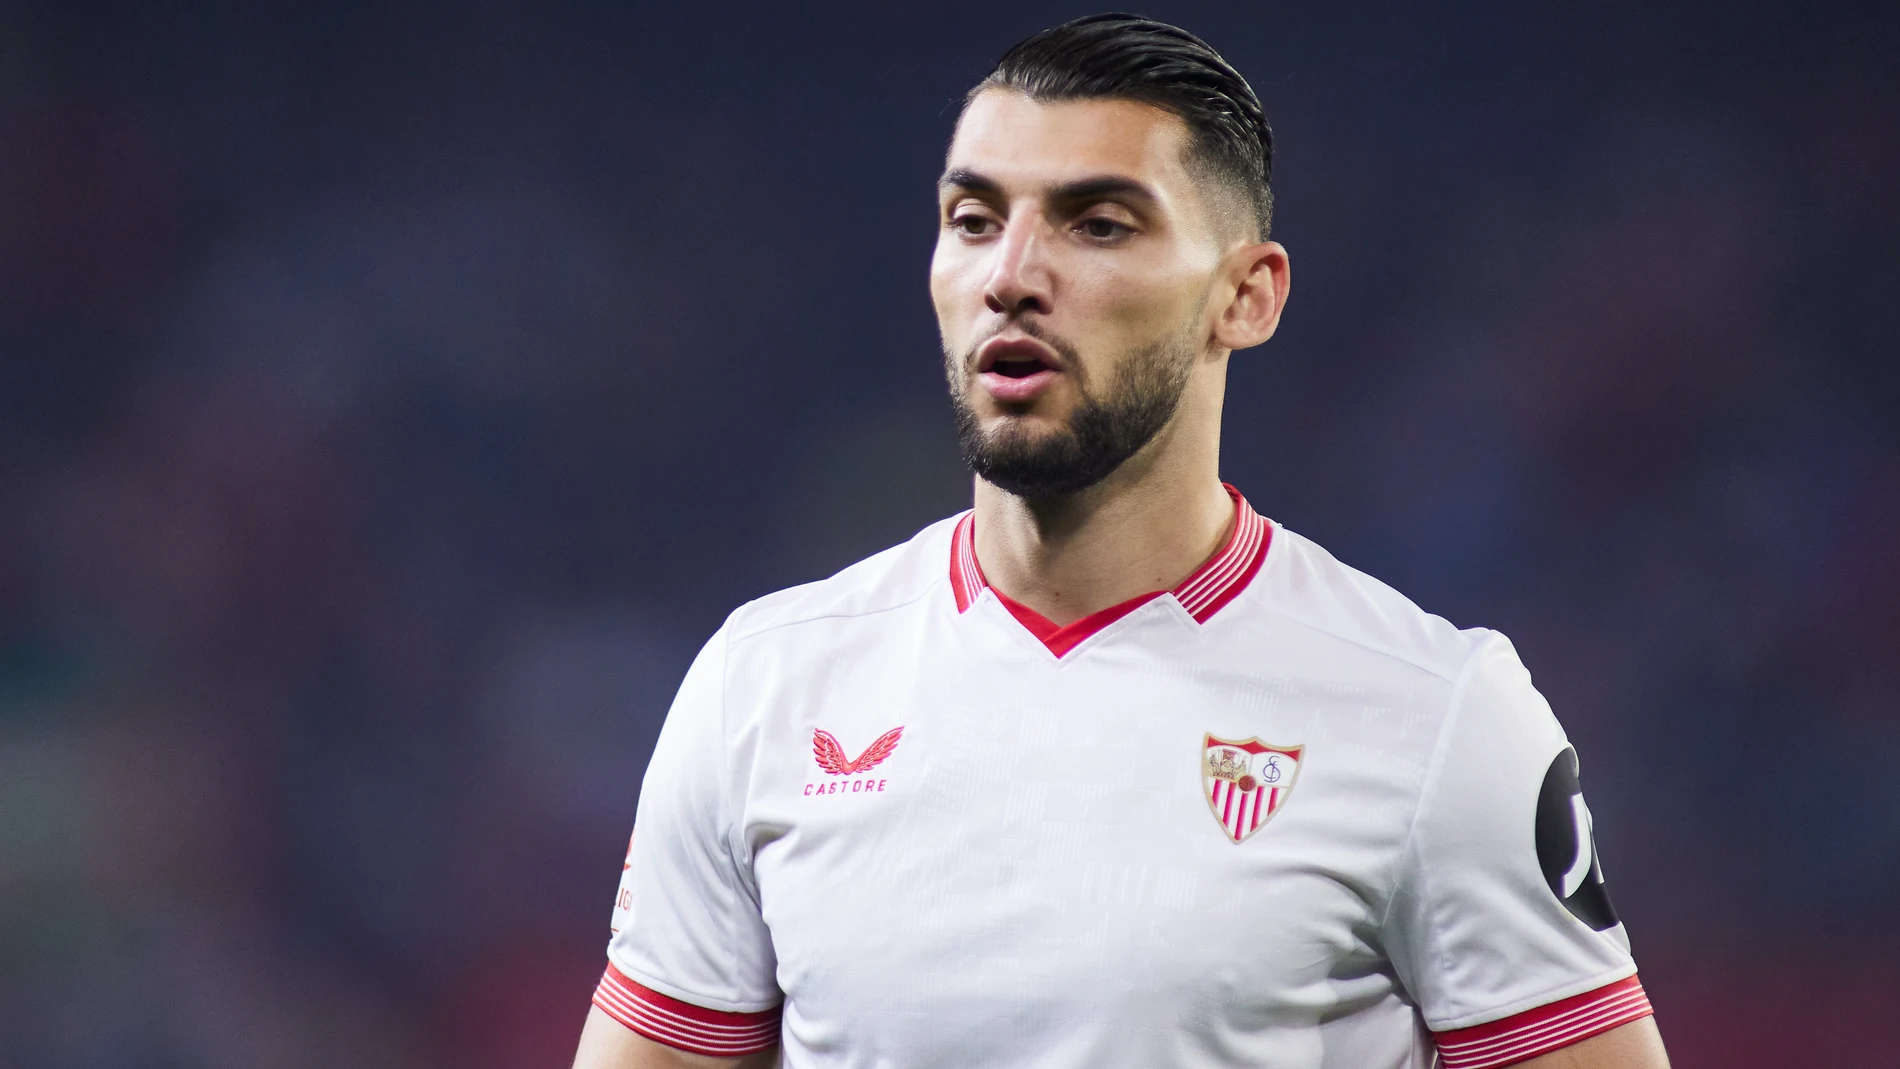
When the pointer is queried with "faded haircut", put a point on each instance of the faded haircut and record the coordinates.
(1129, 57)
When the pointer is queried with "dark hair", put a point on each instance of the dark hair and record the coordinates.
(1135, 58)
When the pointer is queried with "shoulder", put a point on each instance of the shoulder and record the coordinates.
(1477, 702)
(887, 581)
(1305, 585)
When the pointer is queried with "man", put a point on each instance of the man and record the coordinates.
(1110, 771)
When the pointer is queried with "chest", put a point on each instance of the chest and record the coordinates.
(1061, 839)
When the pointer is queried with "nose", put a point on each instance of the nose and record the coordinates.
(1020, 280)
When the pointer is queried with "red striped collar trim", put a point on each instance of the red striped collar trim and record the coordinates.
(1213, 584)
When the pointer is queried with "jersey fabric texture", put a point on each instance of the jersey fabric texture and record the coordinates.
(1275, 817)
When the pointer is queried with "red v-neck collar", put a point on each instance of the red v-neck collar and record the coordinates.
(1062, 638)
(1213, 584)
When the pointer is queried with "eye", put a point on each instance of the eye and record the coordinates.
(972, 224)
(1104, 229)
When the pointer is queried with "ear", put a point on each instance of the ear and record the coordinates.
(1261, 277)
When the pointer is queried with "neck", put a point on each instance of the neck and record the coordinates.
(1146, 527)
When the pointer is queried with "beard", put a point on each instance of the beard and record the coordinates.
(1107, 427)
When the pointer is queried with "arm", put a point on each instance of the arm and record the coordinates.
(1636, 1045)
(608, 1044)
(686, 919)
(1501, 902)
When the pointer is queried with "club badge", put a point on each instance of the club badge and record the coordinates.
(1246, 782)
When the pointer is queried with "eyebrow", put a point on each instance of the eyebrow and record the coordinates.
(961, 178)
(1111, 185)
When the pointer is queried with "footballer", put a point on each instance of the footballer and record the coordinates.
(1111, 770)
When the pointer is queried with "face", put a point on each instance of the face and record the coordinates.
(1075, 262)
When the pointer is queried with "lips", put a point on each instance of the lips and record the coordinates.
(1016, 357)
(1016, 370)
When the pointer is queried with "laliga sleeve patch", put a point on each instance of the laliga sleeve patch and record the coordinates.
(1566, 849)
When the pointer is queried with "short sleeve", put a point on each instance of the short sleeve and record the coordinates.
(690, 963)
(1500, 925)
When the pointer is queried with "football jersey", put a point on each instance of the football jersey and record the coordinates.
(1277, 816)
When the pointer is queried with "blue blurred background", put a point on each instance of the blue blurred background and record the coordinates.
(391, 400)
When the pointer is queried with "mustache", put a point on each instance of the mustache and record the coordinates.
(1032, 329)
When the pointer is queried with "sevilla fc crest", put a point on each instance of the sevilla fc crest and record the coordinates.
(1247, 782)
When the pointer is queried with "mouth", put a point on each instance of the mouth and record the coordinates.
(1016, 370)
(1016, 358)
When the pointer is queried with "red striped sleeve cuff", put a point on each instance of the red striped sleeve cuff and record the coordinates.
(1526, 1035)
(695, 1029)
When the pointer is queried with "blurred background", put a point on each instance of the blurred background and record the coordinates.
(392, 398)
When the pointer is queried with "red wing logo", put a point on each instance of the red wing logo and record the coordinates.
(831, 758)
(1246, 782)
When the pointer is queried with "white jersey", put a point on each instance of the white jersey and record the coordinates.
(1275, 817)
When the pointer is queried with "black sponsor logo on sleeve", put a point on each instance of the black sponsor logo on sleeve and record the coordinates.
(1566, 849)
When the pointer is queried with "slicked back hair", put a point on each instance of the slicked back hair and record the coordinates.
(1129, 57)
